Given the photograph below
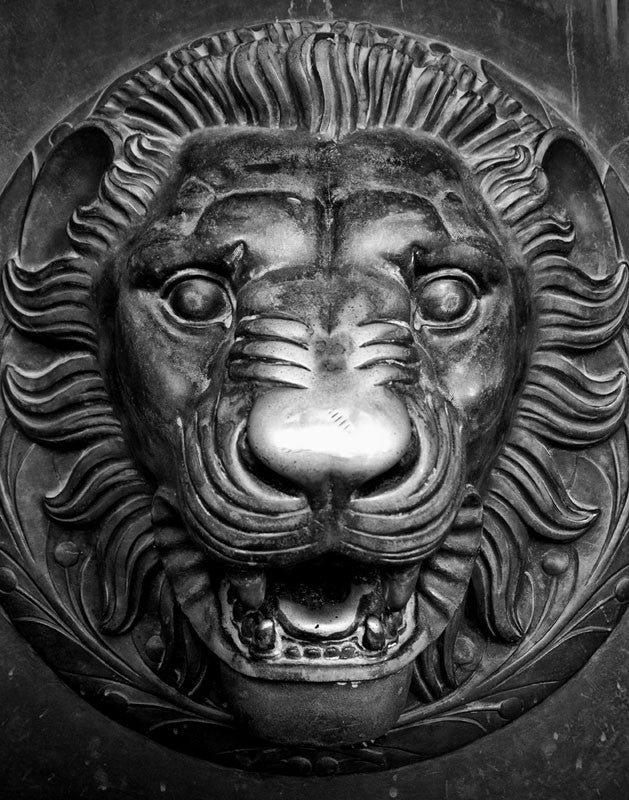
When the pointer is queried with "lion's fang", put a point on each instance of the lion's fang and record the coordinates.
(249, 586)
(399, 585)
(264, 636)
(374, 633)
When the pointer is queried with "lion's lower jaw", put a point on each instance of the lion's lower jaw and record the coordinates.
(322, 714)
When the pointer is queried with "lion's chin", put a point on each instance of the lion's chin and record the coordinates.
(319, 714)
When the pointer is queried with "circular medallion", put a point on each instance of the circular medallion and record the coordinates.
(314, 372)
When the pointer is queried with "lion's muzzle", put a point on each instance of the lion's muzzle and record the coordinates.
(322, 481)
(342, 447)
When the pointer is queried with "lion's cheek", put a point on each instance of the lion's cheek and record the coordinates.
(160, 372)
(478, 374)
(478, 392)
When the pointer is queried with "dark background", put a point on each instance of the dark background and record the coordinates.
(55, 53)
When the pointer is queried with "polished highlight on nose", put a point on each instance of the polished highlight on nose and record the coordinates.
(334, 438)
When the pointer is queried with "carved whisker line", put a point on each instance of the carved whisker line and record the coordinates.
(388, 323)
(402, 364)
(401, 341)
(253, 357)
(274, 316)
(239, 355)
(274, 328)
(270, 338)
(257, 371)
(396, 361)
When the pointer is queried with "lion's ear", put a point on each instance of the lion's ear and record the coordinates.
(576, 192)
(69, 178)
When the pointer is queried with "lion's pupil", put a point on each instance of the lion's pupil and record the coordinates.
(199, 300)
(444, 300)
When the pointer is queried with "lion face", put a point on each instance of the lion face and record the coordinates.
(314, 349)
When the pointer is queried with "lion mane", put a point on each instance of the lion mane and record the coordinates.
(332, 80)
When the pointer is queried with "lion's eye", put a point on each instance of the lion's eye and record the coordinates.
(199, 300)
(446, 300)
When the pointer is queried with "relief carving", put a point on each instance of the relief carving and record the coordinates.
(315, 378)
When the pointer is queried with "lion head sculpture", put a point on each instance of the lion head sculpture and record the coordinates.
(316, 301)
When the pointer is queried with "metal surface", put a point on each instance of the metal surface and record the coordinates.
(495, 317)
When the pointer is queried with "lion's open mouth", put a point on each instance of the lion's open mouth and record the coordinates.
(328, 618)
(328, 612)
(333, 637)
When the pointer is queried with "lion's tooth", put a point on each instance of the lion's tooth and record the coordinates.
(249, 585)
(392, 624)
(374, 633)
(248, 624)
(264, 635)
(399, 585)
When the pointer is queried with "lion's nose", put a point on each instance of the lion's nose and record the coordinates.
(347, 440)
